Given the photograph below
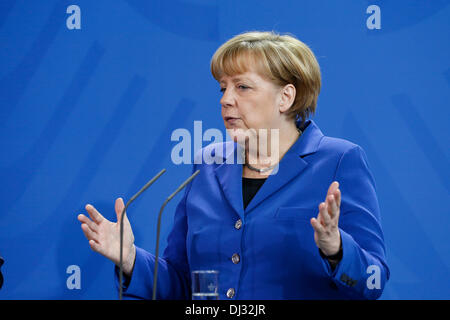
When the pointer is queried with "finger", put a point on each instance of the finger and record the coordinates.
(83, 219)
(119, 206)
(330, 200)
(319, 216)
(90, 235)
(332, 188)
(324, 215)
(94, 214)
(337, 195)
(333, 209)
(95, 246)
(317, 226)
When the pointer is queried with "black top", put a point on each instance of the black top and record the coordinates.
(250, 187)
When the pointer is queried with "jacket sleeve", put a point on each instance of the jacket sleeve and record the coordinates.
(362, 272)
(173, 270)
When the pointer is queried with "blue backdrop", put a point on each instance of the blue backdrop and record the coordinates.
(87, 108)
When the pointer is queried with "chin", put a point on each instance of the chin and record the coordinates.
(232, 132)
(240, 135)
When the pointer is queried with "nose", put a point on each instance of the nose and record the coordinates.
(227, 99)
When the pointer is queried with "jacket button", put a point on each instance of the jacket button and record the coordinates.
(238, 224)
(235, 258)
(230, 293)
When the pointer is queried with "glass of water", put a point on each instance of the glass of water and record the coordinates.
(205, 285)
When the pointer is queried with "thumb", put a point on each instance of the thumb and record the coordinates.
(118, 206)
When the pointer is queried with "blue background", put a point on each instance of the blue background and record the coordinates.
(86, 116)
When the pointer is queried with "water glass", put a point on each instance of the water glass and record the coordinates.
(205, 285)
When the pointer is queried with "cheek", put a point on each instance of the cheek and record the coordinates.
(261, 114)
(270, 111)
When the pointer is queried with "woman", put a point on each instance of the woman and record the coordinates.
(296, 218)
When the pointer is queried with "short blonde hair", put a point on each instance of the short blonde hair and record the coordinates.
(282, 59)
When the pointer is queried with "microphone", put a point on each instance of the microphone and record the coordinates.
(155, 273)
(148, 184)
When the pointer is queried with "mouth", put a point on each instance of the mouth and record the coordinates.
(231, 119)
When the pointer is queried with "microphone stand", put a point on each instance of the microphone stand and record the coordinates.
(155, 273)
(148, 184)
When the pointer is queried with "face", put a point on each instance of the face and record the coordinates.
(249, 102)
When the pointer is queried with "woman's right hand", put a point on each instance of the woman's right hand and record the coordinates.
(104, 236)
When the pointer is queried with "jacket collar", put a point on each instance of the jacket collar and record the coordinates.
(229, 174)
(309, 140)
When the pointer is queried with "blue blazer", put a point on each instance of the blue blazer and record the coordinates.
(278, 256)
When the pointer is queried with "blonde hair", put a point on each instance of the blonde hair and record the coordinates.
(282, 59)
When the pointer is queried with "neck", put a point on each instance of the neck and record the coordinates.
(271, 148)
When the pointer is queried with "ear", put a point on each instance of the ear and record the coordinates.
(287, 97)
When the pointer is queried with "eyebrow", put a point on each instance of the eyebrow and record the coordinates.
(237, 79)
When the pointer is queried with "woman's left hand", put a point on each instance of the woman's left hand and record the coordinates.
(326, 231)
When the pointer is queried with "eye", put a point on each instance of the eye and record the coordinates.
(243, 87)
(222, 90)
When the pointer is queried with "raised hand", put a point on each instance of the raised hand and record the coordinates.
(104, 235)
(326, 231)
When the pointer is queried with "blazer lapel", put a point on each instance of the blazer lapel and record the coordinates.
(291, 165)
(229, 174)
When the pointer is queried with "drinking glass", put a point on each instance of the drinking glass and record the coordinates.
(205, 285)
